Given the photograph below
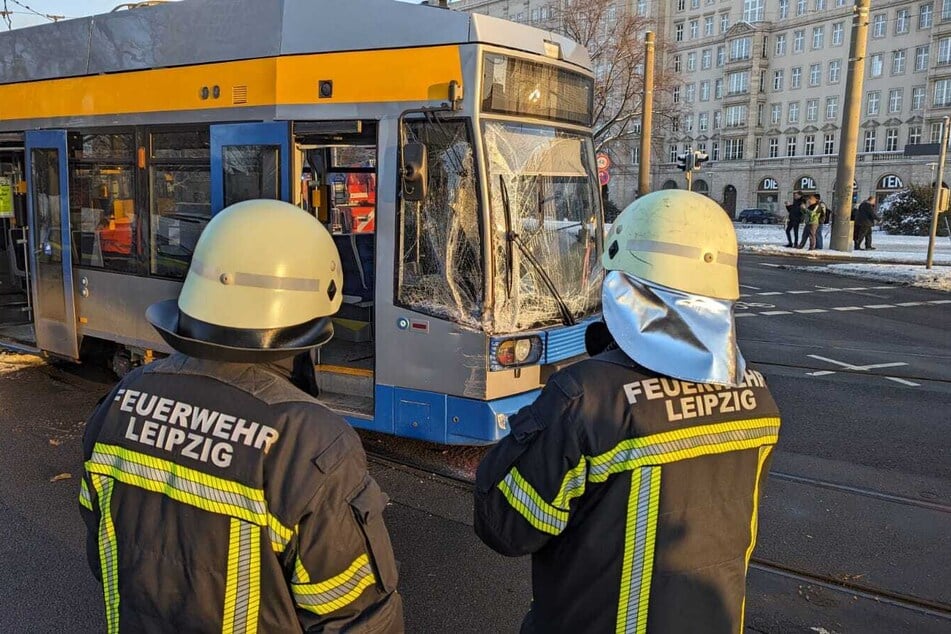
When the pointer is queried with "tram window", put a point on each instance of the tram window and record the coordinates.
(180, 198)
(440, 237)
(103, 218)
(250, 171)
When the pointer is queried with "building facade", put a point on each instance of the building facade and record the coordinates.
(762, 90)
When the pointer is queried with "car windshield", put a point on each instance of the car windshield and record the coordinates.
(542, 188)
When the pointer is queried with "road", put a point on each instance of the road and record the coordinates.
(855, 517)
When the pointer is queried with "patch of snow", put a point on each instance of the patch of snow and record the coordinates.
(938, 278)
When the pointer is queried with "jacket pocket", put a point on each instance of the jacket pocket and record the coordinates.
(367, 506)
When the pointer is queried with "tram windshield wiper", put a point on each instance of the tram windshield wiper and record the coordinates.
(512, 237)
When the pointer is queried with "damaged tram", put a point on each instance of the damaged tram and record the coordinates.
(449, 154)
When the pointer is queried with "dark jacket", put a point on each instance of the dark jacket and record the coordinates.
(866, 216)
(794, 210)
(635, 494)
(219, 497)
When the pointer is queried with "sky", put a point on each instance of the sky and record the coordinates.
(68, 8)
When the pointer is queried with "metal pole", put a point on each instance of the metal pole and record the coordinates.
(848, 144)
(937, 191)
(647, 117)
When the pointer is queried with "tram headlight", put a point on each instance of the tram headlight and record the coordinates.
(517, 352)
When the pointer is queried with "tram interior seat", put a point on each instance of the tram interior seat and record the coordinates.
(356, 257)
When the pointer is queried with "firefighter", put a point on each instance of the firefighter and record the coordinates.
(218, 497)
(633, 479)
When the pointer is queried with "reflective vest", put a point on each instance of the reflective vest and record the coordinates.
(220, 498)
(636, 495)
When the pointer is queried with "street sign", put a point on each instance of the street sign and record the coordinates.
(604, 177)
(604, 162)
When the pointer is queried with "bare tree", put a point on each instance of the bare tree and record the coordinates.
(614, 37)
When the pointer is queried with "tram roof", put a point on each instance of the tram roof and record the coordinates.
(207, 31)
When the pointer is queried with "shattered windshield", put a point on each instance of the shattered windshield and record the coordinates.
(546, 177)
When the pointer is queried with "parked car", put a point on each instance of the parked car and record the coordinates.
(758, 216)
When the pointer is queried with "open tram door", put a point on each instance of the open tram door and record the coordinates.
(50, 251)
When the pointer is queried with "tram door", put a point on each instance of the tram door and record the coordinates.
(51, 262)
(248, 161)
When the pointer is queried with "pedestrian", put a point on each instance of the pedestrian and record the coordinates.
(865, 219)
(217, 495)
(793, 219)
(633, 479)
(811, 216)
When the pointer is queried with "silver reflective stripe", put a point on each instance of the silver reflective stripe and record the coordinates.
(337, 592)
(679, 250)
(639, 539)
(726, 258)
(108, 555)
(255, 280)
(242, 586)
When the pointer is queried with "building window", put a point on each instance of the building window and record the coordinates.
(818, 35)
(708, 26)
(832, 108)
(835, 70)
(678, 64)
(690, 93)
(694, 29)
(945, 11)
(942, 93)
(679, 32)
(809, 148)
(820, 5)
(753, 10)
(799, 38)
(869, 144)
(739, 82)
(688, 123)
(876, 65)
(715, 151)
(914, 135)
(838, 33)
(776, 113)
(706, 59)
(780, 45)
(790, 146)
(812, 110)
(895, 97)
(635, 155)
(773, 147)
(681, 5)
(829, 144)
(815, 74)
(795, 77)
(672, 153)
(936, 132)
(641, 7)
(734, 150)
(898, 63)
(760, 110)
(721, 55)
(724, 23)
(872, 101)
(740, 48)
(718, 89)
(925, 15)
(777, 80)
(800, 7)
(879, 21)
(944, 50)
(918, 98)
(921, 58)
(902, 22)
(705, 91)
(793, 114)
(691, 62)
(675, 94)
(703, 121)
(717, 120)
(891, 140)
(783, 9)
(736, 116)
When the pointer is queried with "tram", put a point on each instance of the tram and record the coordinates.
(449, 154)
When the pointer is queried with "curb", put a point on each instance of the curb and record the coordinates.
(828, 257)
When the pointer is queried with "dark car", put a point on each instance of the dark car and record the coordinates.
(757, 216)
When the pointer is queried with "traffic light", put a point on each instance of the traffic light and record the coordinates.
(684, 163)
(699, 158)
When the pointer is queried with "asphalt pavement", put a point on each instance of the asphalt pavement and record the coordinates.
(855, 518)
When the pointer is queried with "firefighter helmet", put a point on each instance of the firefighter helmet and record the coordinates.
(264, 280)
(677, 239)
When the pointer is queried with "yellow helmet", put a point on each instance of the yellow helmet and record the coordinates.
(263, 282)
(678, 239)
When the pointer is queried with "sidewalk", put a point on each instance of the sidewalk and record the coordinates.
(898, 259)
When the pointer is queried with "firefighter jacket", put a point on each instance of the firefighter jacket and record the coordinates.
(636, 495)
(220, 498)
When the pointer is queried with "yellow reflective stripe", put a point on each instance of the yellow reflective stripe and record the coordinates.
(754, 523)
(189, 486)
(526, 500)
(639, 538)
(336, 592)
(683, 444)
(85, 499)
(108, 552)
(300, 573)
(242, 584)
(572, 485)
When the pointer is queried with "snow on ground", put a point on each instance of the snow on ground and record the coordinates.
(898, 259)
